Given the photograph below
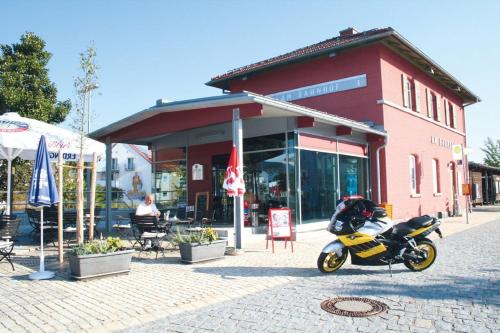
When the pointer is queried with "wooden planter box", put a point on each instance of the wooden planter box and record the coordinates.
(194, 252)
(94, 265)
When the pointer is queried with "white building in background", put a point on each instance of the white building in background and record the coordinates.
(131, 167)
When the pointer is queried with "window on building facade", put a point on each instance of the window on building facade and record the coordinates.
(114, 164)
(407, 92)
(101, 175)
(430, 108)
(436, 107)
(452, 116)
(414, 181)
(497, 186)
(411, 93)
(130, 163)
(436, 186)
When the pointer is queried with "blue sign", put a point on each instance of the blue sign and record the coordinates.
(348, 83)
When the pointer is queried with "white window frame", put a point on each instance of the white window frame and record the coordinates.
(413, 175)
(436, 185)
(114, 164)
(130, 163)
(452, 116)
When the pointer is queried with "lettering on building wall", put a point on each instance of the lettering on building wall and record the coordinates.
(441, 142)
(348, 83)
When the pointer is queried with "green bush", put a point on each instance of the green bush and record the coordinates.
(205, 235)
(110, 245)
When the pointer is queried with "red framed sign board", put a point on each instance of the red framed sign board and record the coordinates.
(279, 226)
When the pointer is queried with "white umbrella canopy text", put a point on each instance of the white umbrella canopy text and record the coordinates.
(19, 137)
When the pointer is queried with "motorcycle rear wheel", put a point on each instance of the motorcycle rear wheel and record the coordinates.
(330, 262)
(428, 247)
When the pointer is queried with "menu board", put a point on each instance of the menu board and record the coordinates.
(280, 223)
(201, 205)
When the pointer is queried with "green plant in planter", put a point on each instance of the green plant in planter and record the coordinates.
(110, 245)
(205, 235)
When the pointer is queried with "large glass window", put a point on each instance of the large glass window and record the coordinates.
(265, 176)
(264, 142)
(170, 183)
(318, 183)
(268, 169)
(352, 176)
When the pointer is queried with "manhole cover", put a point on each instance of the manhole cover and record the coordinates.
(354, 306)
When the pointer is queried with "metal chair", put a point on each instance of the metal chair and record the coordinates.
(123, 227)
(148, 233)
(8, 231)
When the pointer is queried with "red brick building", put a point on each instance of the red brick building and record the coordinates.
(335, 118)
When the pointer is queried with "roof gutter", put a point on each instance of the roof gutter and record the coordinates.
(435, 65)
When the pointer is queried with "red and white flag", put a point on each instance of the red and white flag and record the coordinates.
(233, 180)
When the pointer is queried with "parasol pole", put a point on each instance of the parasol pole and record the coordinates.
(60, 234)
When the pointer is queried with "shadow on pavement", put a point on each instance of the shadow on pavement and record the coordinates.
(487, 209)
(232, 272)
(477, 290)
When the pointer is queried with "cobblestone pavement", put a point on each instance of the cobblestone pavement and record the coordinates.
(460, 293)
(261, 291)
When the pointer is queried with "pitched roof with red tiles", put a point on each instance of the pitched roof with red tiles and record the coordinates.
(303, 52)
(351, 38)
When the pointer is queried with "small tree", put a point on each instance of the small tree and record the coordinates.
(84, 85)
(492, 151)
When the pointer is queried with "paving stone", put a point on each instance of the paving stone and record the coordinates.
(265, 292)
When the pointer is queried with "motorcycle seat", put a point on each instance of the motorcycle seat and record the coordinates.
(403, 229)
(420, 221)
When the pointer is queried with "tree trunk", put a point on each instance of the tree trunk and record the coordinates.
(92, 197)
(79, 203)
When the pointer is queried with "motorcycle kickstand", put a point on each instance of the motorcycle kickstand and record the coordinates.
(390, 268)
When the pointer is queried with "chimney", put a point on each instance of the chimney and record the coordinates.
(348, 32)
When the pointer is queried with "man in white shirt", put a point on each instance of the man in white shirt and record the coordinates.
(147, 207)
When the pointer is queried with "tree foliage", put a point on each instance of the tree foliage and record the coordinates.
(492, 151)
(84, 85)
(25, 86)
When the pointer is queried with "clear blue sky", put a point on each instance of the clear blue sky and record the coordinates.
(168, 49)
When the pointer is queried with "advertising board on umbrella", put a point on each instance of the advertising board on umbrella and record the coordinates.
(19, 137)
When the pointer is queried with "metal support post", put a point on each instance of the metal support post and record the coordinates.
(238, 201)
(108, 183)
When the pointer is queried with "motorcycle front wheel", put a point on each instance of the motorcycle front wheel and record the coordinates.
(330, 262)
(428, 251)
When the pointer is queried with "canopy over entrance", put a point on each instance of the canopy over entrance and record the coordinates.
(149, 125)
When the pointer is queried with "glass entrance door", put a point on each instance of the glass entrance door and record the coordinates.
(222, 203)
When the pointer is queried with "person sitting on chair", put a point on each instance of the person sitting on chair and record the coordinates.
(147, 208)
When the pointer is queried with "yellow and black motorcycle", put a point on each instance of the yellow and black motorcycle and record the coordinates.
(365, 232)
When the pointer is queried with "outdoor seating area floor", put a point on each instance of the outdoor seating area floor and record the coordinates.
(158, 288)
